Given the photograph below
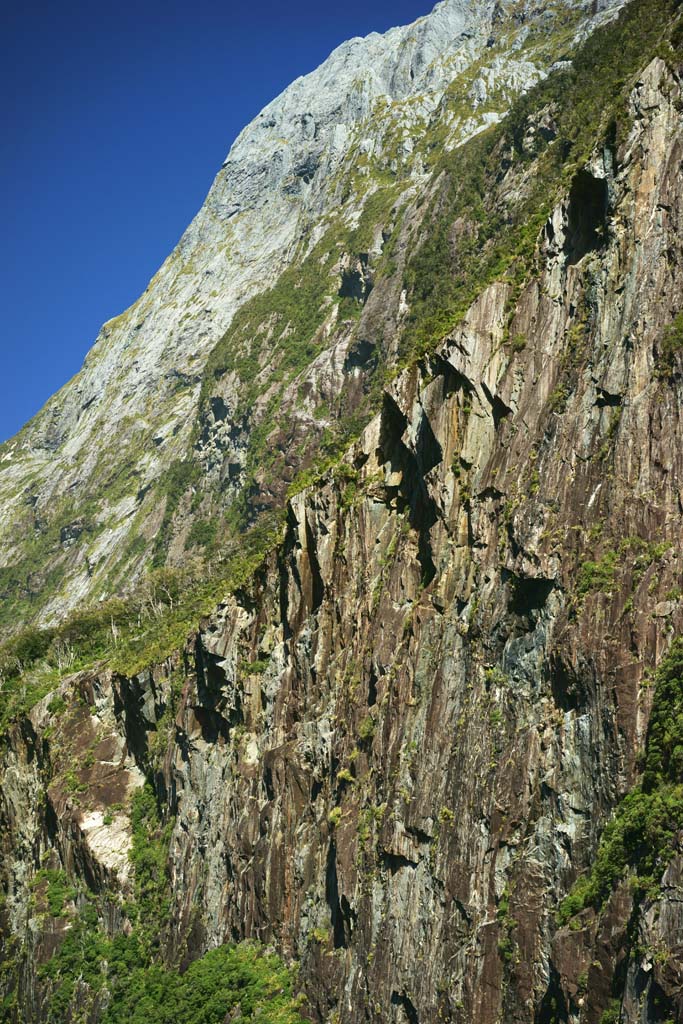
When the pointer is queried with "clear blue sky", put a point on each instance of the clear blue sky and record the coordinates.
(115, 119)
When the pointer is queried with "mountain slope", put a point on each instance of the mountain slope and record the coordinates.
(418, 747)
(144, 442)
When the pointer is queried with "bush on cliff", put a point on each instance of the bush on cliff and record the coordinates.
(221, 981)
(642, 834)
(670, 347)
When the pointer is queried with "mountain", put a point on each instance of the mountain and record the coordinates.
(169, 411)
(392, 697)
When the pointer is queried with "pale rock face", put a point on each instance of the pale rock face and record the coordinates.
(134, 401)
(110, 843)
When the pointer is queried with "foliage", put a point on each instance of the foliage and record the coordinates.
(499, 226)
(671, 347)
(222, 980)
(507, 925)
(641, 835)
(175, 483)
(612, 1014)
(25, 583)
(518, 343)
(273, 335)
(366, 730)
(149, 857)
(127, 967)
(598, 575)
(202, 534)
(58, 889)
(131, 633)
(146, 992)
(278, 333)
(334, 817)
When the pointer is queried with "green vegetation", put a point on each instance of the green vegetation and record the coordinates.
(149, 857)
(507, 924)
(223, 980)
(175, 483)
(498, 234)
(600, 575)
(366, 730)
(334, 817)
(87, 954)
(273, 335)
(140, 987)
(26, 584)
(226, 978)
(203, 533)
(257, 667)
(641, 835)
(276, 334)
(131, 633)
(518, 342)
(670, 348)
(57, 889)
(612, 1014)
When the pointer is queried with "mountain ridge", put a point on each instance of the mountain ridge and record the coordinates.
(140, 382)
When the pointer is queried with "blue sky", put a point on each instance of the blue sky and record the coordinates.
(116, 117)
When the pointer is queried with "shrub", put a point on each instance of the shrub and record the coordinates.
(222, 981)
(366, 732)
(598, 575)
(202, 534)
(642, 833)
(670, 347)
(58, 890)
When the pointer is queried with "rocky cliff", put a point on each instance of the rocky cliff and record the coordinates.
(309, 186)
(429, 743)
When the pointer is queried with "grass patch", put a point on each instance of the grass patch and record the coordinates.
(129, 634)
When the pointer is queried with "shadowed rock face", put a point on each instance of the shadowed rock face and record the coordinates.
(395, 749)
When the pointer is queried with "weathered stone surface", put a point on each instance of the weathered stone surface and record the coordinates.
(280, 186)
(396, 748)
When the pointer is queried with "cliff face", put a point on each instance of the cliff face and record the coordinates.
(393, 750)
(79, 519)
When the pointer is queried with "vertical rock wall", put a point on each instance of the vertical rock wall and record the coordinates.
(393, 752)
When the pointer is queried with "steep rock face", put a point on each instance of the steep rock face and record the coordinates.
(423, 638)
(79, 520)
(394, 750)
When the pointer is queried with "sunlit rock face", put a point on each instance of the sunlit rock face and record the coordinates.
(393, 749)
(84, 475)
